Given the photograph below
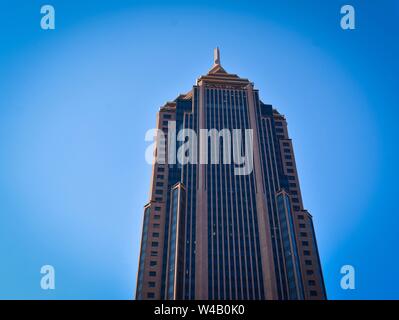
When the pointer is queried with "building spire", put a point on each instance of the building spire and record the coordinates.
(216, 56)
(216, 68)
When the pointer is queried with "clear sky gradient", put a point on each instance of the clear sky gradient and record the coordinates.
(75, 103)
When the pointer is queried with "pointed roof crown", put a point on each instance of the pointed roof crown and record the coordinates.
(220, 77)
(217, 67)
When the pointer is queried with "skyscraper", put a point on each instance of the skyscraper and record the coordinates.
(210, 233)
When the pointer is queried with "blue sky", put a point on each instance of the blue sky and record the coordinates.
(75, 103)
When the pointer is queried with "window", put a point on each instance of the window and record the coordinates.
(291, 178)
(288, 157)
(286, 144)
(167, 116)
(287, 150)
(306, 252)
(151, 284)
(159, 184)
(312, 282)
(158, 191)
(300, 217)
(313, 293)
(308, 262)
(156, 225)
(289, 164)
(142, 251)
(157, 216)
(154, 244)
(302, 225)
(304, 234)
(151, 295)
(157, 208)
(290, 170)
(173, 241)
(153, 263)
(309, 272)
(155, 234)
(154, 253)
(152, 273)
(305, 243)
(160, 176)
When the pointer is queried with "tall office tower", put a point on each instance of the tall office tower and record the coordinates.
(210, 233)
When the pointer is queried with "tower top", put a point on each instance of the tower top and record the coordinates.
(216, 57)
(217, 75)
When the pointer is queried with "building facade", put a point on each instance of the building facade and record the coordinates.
(209, 233)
